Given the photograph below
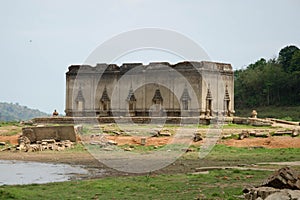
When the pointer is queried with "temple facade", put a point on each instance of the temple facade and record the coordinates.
(204, 89)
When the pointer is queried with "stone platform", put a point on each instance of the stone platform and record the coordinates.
(138, 120)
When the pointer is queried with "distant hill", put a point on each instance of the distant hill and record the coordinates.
(16, 112)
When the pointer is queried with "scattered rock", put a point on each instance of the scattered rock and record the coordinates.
(143, 141)
(243, 134)
(49, 141)
(227, 136)
(111, 142)
(165, 134)
(128, 149)
(116, 132)
(197, 137)
(2, 143)
(295, 132)
(107, 149)
(26, 145)
(94, 143)
(188, 150)
(154, 133)
(6, 149)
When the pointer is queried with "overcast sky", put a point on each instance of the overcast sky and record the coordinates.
(40, 39)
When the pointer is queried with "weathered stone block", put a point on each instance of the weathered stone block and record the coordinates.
(57, 133)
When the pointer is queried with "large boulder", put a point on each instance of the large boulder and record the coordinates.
(284, 178)
(283, 184)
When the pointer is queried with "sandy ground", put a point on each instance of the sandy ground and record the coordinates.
(271, 142)
(10, 139)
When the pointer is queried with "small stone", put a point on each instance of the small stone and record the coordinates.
(60, 148)
(94, 143)
(50, 141)
(243, 134)
(252, 133)
(166, 134)
(107, 149)
(117, 132)
(128, 149)
(295, 133)
(143, 141)
(197, 137)
(154, 133)
(111, 142)
(68, 145)
(202, 172)
(226, 136)
(188, 150)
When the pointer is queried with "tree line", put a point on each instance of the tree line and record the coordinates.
(275, 82)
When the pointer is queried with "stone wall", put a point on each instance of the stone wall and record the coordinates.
(58, 133)
(107, 89)
(103, 120)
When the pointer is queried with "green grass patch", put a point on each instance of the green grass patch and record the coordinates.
(13, 123)
(140, 148)
(77, 148)
(290, 113)
(244, 126)
(218, 184)
(10, 128)
(252, 155)
(11, 132)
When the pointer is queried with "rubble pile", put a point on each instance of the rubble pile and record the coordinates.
(284, 184)
(101, 141)
(46, 144)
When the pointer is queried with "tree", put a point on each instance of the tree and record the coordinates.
(295, 61)
(258, 64)
(286, 55)
(270, 83)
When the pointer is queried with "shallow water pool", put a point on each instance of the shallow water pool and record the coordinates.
(23, 172)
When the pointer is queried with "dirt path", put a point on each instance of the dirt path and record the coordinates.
(293, 163)
(271, 142)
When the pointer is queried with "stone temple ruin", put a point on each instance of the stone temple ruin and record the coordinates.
(186, 89)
